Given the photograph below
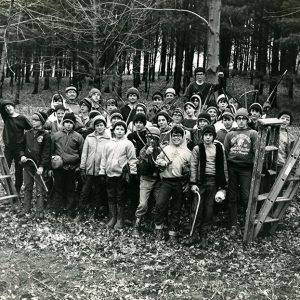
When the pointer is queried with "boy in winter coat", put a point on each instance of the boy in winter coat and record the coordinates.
(150, 180)
(128, 110)
(54, 124)
(13, 137)
(227, 122)
(196, 133)
(174, 160)
(240, 145)
(207, 177)
(66, 144)
(37, 147)
(118, 153)
(90, 166)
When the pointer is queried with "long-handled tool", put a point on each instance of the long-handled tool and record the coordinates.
(42, 182)
(196, 212)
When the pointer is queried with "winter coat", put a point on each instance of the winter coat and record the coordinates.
(69, 146)
(198, 165)
(37, 147)
(92, 152)
(116, 155)
(138, 139)
(147, 166)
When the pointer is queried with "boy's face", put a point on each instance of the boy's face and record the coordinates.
(162, 122)
(208, 138)
(84, 108)
(68, 125)
(169, 96)
(119, 131)
(196, 102)
(177, 139)
(177, 117)
(114, 120)
(212, 113)
(286, 120)
(100, 127)
(222, 104)
(110, 107)
(190, 110)
(153, 141)
(57, 102)
(255, 114)
(132, 98)
(139, 126)
(96, 97)
(158, 101)
(36, 122)
(200, 76)
(140, 110)
(60, 114)
(228, 122)
(71, 94)
(202, 123)
(9, 109)
(241, 122)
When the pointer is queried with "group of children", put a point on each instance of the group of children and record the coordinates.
(102, 158)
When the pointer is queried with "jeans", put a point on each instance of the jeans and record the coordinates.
(207, 193)
(64, 190)
(147, 185)
(239, 182)
(170, 187)
(89, 200)
(30, 177)
(115, 188)
(12, 155)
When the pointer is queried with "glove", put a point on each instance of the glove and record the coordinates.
(102, 179)
(83, 175)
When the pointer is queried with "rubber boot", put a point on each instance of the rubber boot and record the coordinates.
(120, 218)
(112, 207)
(136, 227)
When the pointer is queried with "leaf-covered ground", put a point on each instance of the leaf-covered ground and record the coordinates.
(59, 258)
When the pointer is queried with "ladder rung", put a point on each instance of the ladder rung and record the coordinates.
(4, 176)
(271, 148)
(2, 156)
(282, 199)
(293, 178)
(263, 197)
(9, 197)
(267, 220)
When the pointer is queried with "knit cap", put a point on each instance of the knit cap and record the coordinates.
(139, 117)
(214, 108)
(97, 120)
(69, 116)
(198, 70)
(142, 105)
(120, 123)
(171, 91)
(133, 90)
(227, 113)
(178, 110)
(42, 116)
(209, 129)
(153, 132)
(87, 102)
(242, 112)
(7, 102)
(256, 106)
(189, 103)
(111, 102)
(157, 94)
(59, 106)
(204, 116)
(71, 88)
(163, 113)
(57, 97)
(94, 113)
(222, 97)
(197, 97)
(94, 91)
(116, 114)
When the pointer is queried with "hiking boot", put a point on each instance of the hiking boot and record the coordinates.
(120, 218)
(159, 234)
(136, 226)
(113, 215)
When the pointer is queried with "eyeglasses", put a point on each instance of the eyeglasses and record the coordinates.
(241, 118)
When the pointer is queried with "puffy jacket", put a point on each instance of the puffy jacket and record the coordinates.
(37, 147)
(118, 153)
(92, 152)
(69, 146)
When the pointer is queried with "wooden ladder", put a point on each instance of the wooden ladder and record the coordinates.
(6, 181)
(265, 164)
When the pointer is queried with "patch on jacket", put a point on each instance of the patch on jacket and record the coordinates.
(40, 139)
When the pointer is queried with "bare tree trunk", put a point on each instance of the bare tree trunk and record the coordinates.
(163, 53)
(36, 71)
(47, 69)
(146, 70)
(170, 56)
(136, 68)
(179, 60)
(213, 42)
